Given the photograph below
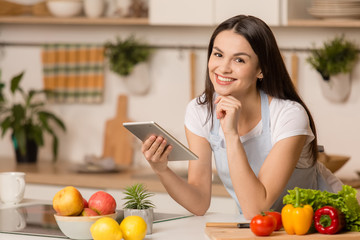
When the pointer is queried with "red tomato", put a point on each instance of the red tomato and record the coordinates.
(262, 224)
(277, 216)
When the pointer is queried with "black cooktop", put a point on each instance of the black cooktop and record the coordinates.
(38, 219)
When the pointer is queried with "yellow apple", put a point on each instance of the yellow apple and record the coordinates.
(68, 202)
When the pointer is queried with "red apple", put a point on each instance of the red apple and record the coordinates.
(68, 201)
(89, 212)
(102, 203)
(86, 205)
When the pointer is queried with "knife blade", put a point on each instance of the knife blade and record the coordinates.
(228, 224)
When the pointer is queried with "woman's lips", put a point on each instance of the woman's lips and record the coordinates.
(224, 80)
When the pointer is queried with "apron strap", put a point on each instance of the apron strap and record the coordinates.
(265, 113)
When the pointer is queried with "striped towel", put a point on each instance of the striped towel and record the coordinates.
(73, 73)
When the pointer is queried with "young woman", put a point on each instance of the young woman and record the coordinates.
(250, 117)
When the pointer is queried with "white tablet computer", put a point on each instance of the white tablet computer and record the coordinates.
(143, 130)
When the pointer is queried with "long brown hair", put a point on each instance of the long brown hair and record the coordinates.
(276, 81)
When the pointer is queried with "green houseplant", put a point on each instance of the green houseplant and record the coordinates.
(335, 61)
(27, 120)
(336, 56)
(124, 54)
(138, 203)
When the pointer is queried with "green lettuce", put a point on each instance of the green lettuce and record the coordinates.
(345, 201)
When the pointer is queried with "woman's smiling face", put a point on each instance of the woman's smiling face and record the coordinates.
(233, 65)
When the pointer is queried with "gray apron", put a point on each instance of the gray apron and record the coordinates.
(257, 149)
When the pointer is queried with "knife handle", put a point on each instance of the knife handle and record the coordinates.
(227, 224)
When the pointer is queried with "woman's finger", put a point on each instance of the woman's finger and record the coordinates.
(150, 151)
(159, 151)
(147, 143)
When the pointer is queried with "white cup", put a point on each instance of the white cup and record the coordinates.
(94, 8)
(12, 187)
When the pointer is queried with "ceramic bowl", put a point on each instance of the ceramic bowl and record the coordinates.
(65, 8)
(333, 162)
(78, 227)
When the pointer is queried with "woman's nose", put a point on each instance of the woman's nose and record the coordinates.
(225, 67)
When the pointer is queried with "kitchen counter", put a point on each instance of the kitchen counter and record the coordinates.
(63, 173)
(194, 228)
(190, 228)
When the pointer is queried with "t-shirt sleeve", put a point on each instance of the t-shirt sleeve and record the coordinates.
(292, 120)
(195, 118)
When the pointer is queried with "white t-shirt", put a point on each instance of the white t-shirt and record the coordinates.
(287, 119)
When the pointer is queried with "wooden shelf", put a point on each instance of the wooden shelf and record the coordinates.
(324, 23)
(74, 20)
(347, 23)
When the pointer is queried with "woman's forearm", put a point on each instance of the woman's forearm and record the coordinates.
(249, 190)
(191, 197)
(258, 193)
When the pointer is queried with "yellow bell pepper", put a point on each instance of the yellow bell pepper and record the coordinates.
(297, 219)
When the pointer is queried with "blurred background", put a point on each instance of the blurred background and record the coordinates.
(160, 88)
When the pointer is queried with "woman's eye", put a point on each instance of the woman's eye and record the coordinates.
(217, 54)
(239, 60)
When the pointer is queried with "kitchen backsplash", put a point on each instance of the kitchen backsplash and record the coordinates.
(169, 92)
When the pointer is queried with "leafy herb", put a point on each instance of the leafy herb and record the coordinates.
(123, 55)
(345, 200)
(137, 197)
(336, 56)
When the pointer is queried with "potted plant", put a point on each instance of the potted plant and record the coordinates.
(124, 54)
(334, 61)
(138, 204)
(128, 58)
(27, 120)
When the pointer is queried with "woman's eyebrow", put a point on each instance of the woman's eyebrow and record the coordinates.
(235, 54)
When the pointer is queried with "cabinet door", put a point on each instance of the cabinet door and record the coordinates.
(181, 12)
(267, 10)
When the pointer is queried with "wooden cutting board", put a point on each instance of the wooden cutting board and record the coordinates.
(118, 142)
(223, 233)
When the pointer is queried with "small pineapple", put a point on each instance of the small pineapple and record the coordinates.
(137, 197)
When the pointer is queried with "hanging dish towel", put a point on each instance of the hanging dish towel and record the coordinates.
(73, 73)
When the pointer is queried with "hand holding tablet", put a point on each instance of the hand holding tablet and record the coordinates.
(143, 130)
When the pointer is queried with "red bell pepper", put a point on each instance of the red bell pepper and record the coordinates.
(328, 220)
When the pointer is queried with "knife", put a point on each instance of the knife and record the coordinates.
(228, 224)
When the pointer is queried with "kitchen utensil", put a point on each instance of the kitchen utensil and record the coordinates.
(222, 233)
(40, 9)
(78, 227)
(228, 224)
(192, 74)
(294, 69)
(118, 141)
(12, 9)
(65, 8)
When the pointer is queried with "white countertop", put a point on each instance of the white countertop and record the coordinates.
(190, 228)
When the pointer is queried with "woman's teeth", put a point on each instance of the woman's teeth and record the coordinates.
(223, 79)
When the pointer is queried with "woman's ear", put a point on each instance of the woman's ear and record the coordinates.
(260, 75)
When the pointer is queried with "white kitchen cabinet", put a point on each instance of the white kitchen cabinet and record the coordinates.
(184, 12)
(269, 10)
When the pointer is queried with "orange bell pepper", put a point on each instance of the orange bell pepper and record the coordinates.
(297, 219)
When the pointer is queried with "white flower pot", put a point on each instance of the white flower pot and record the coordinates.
(139, 82)
(146, 214)
(337, 88)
